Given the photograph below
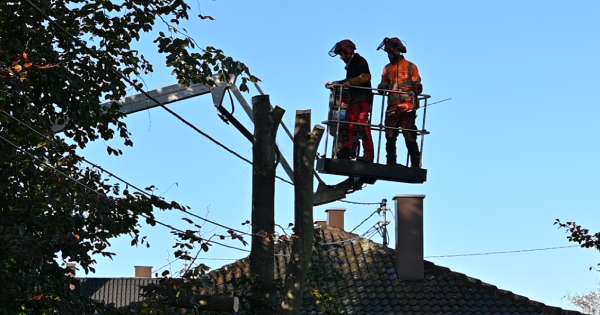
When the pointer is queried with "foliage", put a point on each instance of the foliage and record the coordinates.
(53, 208)
(175, 295)
(326, 303)
(179, 294)
(580, 235)
(588, 303)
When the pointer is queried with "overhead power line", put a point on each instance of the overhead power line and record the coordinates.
(135, 187)
(517, 251)
(503, 252)
(67, 176)
(365, 220)
(360, 203)
(437, 102)
(96, 54)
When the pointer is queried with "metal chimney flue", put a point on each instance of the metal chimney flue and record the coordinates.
(409, 236)
(143, 271)
(335, 218)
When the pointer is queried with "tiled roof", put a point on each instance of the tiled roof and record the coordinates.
(361, 277)
(117, 291)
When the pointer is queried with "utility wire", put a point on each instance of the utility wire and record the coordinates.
(437, 102)
(365, 220)
(103, 196)
(199, 258)
(352, 240)
(371, 229)
(208, 241)
(95, 53)
(363, 237)
(503, 252)
(360, 203)
(118, 177)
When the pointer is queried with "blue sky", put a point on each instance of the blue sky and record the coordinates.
(515, 149)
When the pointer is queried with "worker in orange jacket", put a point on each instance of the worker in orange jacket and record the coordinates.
(403, 76)
(359, 103)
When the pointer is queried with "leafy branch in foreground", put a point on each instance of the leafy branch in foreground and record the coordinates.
(59, 60)
(580, 235)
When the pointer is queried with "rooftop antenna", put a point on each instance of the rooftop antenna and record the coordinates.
(382, 225)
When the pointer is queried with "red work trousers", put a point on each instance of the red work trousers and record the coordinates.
(358, 112)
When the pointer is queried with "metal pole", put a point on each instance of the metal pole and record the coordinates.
(380, 126)
(337, 131)
(423, 128)
(326, 139)
(385, 233)
(328, 130)
(376, 127)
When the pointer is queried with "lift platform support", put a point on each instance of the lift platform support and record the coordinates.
(177, 92)
(359, 172)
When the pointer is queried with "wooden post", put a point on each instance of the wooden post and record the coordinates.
(305, 150)
(266, 122)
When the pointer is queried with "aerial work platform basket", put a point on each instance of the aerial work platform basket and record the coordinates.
(365, 171)
(369, 172)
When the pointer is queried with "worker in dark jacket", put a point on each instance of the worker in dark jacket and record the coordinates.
(359, 101)
(402, 76)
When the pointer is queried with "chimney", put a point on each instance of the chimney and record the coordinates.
(143, 271)
(335, 218)
(409, 236)
(71, 269)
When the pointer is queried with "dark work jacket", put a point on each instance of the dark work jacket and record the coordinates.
(357, 66)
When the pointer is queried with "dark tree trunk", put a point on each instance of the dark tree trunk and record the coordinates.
(266, 122)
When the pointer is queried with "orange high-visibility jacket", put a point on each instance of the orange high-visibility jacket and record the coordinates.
(402, 76)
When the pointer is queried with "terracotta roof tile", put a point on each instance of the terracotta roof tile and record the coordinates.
(362, 278)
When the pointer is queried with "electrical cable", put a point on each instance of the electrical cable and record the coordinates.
(436, 102)
(199, 258)
(118, 177)
(360, 203)
(365, 220)
(503, 252)
(103, 196)
(95, 53)
(231, 102)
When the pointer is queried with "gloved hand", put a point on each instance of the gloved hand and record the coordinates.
(382, 86)
(406, 107)
(418, 88)
(332, 85)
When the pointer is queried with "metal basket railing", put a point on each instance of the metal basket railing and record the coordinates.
(335, 120)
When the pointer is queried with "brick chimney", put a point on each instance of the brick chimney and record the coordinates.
(143, 271)
(335, 218)
(409, 236)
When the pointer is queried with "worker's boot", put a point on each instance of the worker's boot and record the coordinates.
(390, 150)
(415, 160)
(343, 154)
(391, 160)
